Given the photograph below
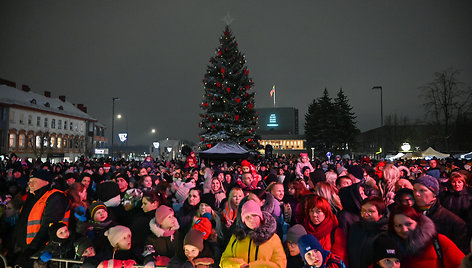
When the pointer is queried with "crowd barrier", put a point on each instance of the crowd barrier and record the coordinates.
(64, 263)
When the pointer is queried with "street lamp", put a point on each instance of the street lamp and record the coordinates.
(113, 126)
(119, 116)
(381, 105)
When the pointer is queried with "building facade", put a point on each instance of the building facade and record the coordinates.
(39, 126)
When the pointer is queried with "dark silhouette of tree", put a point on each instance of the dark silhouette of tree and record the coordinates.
(446, 98)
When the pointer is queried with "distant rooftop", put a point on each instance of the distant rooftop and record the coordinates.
(28, 99)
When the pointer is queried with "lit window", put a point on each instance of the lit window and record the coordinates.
(22, 141)
(59, 142)
(38, 141)
(53, 140)
(12, 142)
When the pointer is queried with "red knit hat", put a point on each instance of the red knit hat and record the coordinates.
(203, 225)
(245, 163)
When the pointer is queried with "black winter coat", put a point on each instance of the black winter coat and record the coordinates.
(450, 225)
(361, 239)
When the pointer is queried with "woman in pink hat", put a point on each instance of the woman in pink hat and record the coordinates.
(254, 242)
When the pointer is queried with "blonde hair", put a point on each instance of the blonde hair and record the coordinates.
(330, 193)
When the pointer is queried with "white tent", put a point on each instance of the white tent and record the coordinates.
(225, 150)
(430, 152)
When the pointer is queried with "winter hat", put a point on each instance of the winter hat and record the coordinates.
(53, 227)
(162, 212)
(430, 182)
(42, 174)
(107, 190)
(317, 176)
(81, 245)
(208, 199)
(309, 242)
(245, 163)
(115, 233)
(251, 207)
(385, 247)
(357, 171)
(106, 166)
(95, 206)
(303, 155)
(195, 238)
(295, 232)
(203, 225)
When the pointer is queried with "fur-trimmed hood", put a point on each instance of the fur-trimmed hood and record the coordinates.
(419, 239)
(260, 235)
(159, 232)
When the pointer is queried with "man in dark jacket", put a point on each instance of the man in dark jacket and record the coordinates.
(426, 190)
(43, 206)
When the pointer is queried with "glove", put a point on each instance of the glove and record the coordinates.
(80, 214)
(46, 256)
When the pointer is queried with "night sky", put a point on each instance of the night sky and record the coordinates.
(153, 54)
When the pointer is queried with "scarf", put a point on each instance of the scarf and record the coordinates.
(322, 230)
(159, 232)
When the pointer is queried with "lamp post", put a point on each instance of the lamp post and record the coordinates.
(113, 127)
(381, 105)
(119, 116)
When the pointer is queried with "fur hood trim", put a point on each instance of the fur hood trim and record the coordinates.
(158, 231)
(259, 235)
(421, 237)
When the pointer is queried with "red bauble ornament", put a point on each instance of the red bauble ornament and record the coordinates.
(209, 145)
(246, 71)
(247, 87)
(213, 126)
(237, 100)
(205, 105)
(201, 139)
(246, 95)
(218, 84)
(251, 106)
(199, 125)
(228, 89)
(223, 70)
(220, 53)
(236, 117)
(211, 119)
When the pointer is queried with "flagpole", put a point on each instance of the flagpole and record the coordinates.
(274, 96)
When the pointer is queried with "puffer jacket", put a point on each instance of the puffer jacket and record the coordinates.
(258, 248)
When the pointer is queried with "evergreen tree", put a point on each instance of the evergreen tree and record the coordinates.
(344, 124)
(228, 105)
(330, 125)
(319, 124)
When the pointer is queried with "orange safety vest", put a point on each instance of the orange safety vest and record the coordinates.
(36, 214)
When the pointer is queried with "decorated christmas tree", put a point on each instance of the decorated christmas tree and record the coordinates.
(228, 105)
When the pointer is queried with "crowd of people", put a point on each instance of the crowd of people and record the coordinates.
(268, 212)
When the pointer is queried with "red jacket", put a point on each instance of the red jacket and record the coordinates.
(452, 256)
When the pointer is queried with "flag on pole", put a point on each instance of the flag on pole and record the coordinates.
(272, 92)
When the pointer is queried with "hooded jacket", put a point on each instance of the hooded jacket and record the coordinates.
(260, 247)
(418, 250)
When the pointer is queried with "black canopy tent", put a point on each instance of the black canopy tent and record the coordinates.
(225, 150)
